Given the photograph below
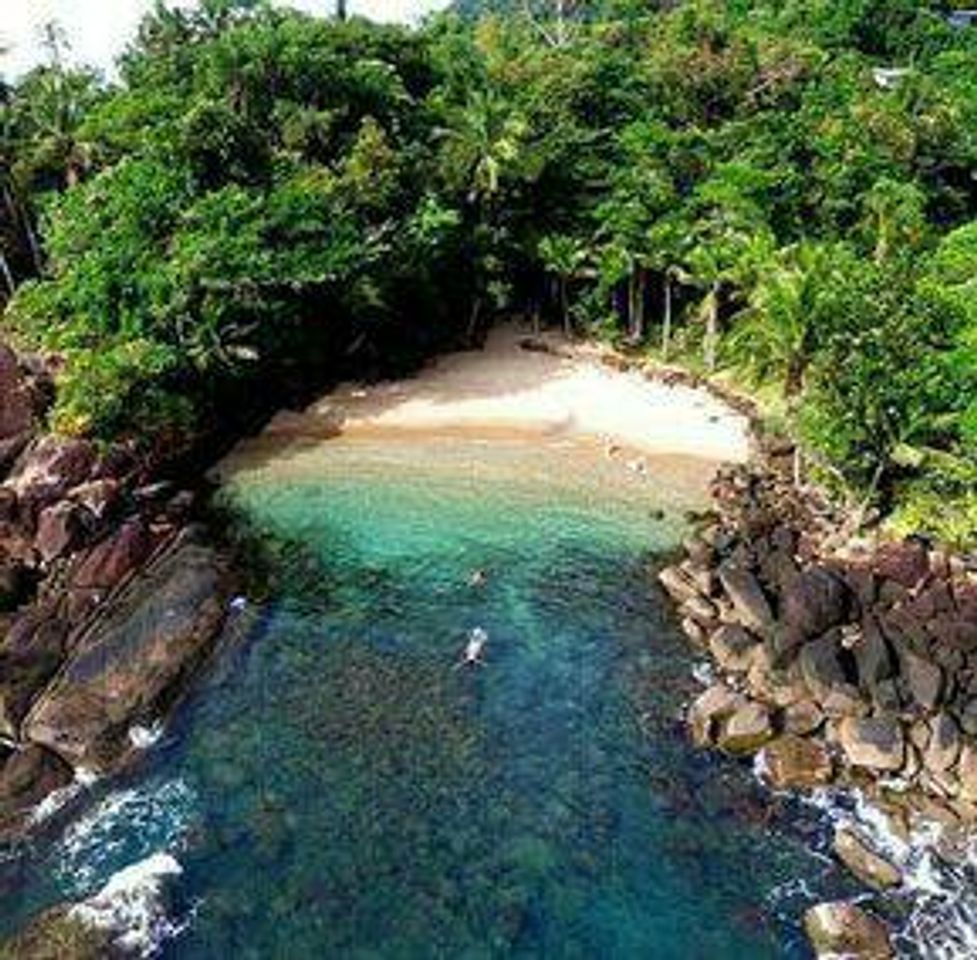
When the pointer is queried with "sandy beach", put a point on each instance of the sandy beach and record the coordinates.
(506, 390)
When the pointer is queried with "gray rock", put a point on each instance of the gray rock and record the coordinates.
(943, 747)
(842, 930)
(27, 776)
(820, 665)
(734, 648)
(876, 743)
(132, 663)
(923, 678)
(872, 656)
(869, 866)
(747, 597)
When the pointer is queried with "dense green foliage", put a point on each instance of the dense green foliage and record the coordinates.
(783, 188)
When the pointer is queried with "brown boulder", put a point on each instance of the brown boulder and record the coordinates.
(905, 563)
(877, 743)
(747, 729)
(811, 602)
(50, 468)
(110, 561)
(792, 762)
(677, 585)
(821, 666)
(943, 745)
(803, 717)
(30, 655)
(839, 929)
(16, 410)
(131, 664)
(709, 709)
(923, 678)
(870, 867)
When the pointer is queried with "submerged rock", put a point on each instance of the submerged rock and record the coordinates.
(132, 662)
(870, 867)
(840, 929)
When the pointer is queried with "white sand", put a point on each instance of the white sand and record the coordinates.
(505, 388)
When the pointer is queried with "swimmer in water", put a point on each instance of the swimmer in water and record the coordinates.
(472, 654)
(478, 578)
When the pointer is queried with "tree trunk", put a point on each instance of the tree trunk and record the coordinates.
(638, 316)
(667, 319)
(8, 277)
(473, 319)
(340, 10)
(712, 328)
(565, 305)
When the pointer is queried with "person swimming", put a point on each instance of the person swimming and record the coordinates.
(478, 578)
(474, 648)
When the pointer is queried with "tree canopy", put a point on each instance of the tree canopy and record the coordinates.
(786, 189)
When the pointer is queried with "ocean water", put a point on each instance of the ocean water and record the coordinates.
(338, 786)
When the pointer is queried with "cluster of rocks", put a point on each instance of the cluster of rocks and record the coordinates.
(860, 666)
(855, 666)
(107, 599)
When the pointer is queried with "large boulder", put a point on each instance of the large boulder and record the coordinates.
(61, 528)
(923, 679)
(113, 559)
(27, 776)
(747, 729)
(748, 599)
(677, 585)
(131, 664)
(877, 743)
(30, 655)
(905, 563)
(734, 648)
(821, 666)
(50, 468)
(710, 709)
(792, 762)
(873, 658)
(811, 602)
(842, 930)
(870, 867)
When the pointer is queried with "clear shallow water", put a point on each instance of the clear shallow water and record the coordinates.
(337, 788)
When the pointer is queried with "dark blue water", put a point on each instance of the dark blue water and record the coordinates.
(336, 787)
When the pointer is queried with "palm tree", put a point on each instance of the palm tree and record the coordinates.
(562, 256)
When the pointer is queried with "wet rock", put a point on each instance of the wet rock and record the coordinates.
(747, 597)
(677, 585)
(803, 717)
(746, 730)
(27, 777)
(820, 665)
(870, 867)
(842, 930)
(56, 935)
(876, 743)
(131, 665)
(734, 648)
(943, 746)
(793, 762)
(709, 710)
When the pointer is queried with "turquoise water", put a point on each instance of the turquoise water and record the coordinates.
(336, 787)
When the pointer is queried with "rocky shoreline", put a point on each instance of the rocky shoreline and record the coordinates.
(836, 663)
(109, 598)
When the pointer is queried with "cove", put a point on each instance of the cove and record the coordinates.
(335, 786)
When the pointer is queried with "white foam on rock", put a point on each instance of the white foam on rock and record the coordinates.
(56, 800)
(131, 906)
(939, 889)
(142, 738)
